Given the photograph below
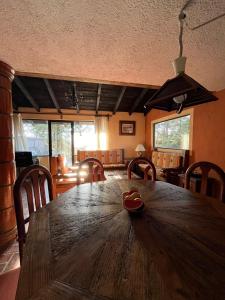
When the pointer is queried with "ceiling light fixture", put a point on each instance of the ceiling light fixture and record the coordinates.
(72, 97)
(180, 91)
(179, 63)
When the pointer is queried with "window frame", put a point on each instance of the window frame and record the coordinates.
(172, 117)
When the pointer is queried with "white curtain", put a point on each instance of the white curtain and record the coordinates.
(20, 139)
(101, 127)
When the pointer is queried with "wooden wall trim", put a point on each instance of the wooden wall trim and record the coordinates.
(81, 79)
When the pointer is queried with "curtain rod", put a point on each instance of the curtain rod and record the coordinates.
(62, 114)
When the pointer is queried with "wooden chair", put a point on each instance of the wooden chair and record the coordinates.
(30, 182)
(95, 170)
(142, 160)
(205, 167)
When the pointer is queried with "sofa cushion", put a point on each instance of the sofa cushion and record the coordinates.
(107, 157)
(166, 159)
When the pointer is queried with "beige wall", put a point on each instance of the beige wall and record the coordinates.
(128, 143)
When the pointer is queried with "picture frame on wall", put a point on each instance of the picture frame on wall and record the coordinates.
(127, 128)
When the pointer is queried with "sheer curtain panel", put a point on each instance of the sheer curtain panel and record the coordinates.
(101, 127)
(20, 139)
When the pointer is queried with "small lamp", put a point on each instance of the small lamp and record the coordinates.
(140, 149)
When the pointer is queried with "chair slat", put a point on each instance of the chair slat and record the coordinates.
(42, 179)
(96, 170)
(36, 189)
(29, 191)
(205, 173)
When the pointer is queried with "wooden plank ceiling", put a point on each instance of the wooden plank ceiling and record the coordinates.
(41, 93)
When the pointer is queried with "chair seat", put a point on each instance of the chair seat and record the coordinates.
(8, 284)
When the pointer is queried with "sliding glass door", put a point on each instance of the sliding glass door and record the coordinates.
(62, 140)
(51, 138)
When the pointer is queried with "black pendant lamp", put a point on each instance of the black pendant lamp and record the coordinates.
(181, 91)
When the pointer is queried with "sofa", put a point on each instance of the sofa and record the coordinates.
(111, 159)
(169, 163)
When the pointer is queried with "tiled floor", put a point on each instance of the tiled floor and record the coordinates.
(9, 257)
(115, 174)
(118, 174)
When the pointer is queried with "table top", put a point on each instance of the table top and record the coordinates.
(86, 246)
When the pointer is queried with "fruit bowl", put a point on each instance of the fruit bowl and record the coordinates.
(132, 202)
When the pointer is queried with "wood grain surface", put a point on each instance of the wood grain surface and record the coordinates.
(85, 245)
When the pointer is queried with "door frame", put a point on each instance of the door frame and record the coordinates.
(50, 136)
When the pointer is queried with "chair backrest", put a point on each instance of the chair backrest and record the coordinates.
(142, 160)
(205, 167)
(96, 170)
(30, 182)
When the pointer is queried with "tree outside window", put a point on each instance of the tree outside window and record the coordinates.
(173, 133)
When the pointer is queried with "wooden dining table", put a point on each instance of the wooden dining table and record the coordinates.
(85, 245)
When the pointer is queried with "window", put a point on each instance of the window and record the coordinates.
(65, 139)
(173, 133)
(61, 140)
(84, 136)
(36, 133)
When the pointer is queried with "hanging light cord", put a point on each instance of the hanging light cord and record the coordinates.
(182, 17)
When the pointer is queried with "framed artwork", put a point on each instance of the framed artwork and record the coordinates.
(127, 127)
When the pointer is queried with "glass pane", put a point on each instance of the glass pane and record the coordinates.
(173, 133)
(84, 136)
(36, 133)
(62, 140)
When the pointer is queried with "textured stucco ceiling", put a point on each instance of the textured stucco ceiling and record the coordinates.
(116, 40)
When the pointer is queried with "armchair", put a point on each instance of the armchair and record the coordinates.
(169, 163)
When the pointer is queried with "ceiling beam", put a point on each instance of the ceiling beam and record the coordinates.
(119, 99)
(21, 86)
(138, 100)
(52, 95)
(98, 98)
(88, 80)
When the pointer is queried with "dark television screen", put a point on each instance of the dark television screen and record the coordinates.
(23, 159)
